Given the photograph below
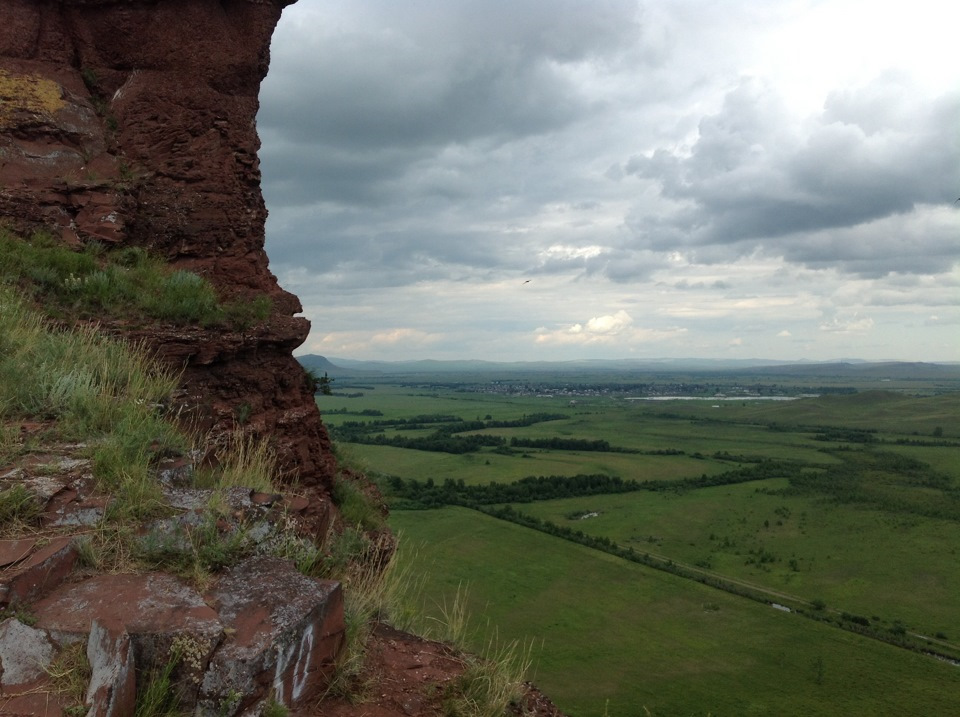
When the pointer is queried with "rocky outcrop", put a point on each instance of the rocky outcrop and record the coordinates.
(257, 631)
(132, 122)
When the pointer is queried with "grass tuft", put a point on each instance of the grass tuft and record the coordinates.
(370, 593)
(18, 509)
(490, 684)
(194, 552)
(156, 695)
(70, 674)
(246, 461)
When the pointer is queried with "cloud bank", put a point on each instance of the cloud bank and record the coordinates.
(530, 180)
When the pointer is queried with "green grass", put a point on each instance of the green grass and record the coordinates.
(18, 508)
(356, 507)
(90, 389)
(881, 410)
(619, 634)
(111, 398)
(127, 283)
(399, 401)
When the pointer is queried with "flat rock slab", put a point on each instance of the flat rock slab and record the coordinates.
(43, 569)
(13, 551)
(149, 607)
(284, 633)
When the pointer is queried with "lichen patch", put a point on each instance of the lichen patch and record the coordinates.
(27, 94)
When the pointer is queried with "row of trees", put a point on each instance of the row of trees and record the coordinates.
(414, 494)
(569, 444)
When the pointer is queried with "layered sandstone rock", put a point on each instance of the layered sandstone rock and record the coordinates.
(132, 122)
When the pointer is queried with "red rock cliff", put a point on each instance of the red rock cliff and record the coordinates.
(132, 122)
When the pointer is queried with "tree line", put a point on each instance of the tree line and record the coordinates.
(885, 480)
(415, 494)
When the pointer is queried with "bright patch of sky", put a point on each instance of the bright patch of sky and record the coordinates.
(533, 180)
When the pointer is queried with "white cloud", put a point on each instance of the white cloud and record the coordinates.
(367, 343)
(560, 251)
(609, 324)
(614, 330)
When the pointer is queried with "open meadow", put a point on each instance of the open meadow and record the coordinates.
(725, 556)
(611, 637)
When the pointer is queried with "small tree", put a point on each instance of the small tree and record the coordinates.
(324, 384)
(319, 384)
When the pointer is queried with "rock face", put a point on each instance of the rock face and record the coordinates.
(132, 122)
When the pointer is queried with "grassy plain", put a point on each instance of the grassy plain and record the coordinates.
(486, 466)
(858, 560)
(617, 637)
(860, 537)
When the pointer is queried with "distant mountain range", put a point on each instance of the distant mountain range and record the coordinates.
(343, 367)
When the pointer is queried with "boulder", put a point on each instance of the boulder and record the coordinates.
(284, 631)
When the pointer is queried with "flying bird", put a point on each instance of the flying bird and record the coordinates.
(528, 281)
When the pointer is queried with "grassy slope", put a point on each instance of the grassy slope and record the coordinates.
(619, 632)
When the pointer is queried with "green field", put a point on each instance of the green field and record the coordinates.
(818, 549)
(617, 637)
(859, 514)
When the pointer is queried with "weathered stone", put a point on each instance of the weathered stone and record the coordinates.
(112, 691)
(44, 487)
(79, 513)
(265, 499)
(144, 605)
(296, 503)
(175, 472)
(283, 636)
(159, 612)
(38, 573)
(25, 652)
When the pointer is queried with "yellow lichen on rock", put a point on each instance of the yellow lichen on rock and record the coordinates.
(27, 93)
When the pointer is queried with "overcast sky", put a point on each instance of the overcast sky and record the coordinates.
(560, 179)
